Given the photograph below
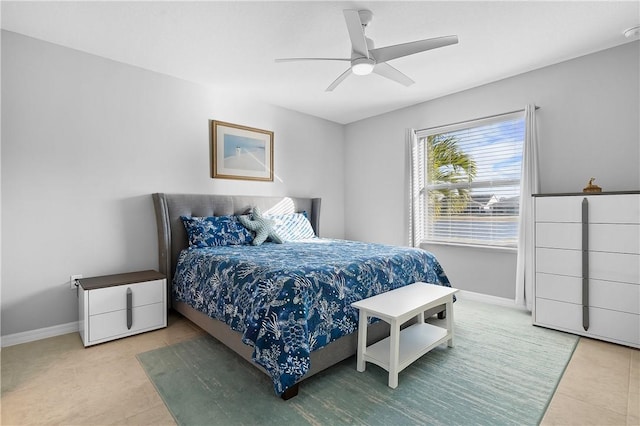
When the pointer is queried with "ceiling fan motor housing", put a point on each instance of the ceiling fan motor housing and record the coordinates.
(365, 16)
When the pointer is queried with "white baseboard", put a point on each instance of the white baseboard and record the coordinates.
(487, 298)
(41, 333)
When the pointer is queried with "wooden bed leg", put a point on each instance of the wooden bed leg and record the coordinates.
(442, 314)
(291, 392)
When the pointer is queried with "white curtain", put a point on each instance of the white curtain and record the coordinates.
(529, 184)
(416, 185)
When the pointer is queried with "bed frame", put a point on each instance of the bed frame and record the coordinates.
(172, 238)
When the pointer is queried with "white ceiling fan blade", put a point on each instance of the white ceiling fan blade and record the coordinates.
(311, 59)
(384, 54)
(338, 80)
(391, 73)
(356, 33)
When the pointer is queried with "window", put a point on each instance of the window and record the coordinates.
(468, 181)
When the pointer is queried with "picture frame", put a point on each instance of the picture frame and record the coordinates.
(241, 152)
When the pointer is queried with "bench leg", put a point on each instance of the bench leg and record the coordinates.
(449, 316)
(394, 354)
(362, 340)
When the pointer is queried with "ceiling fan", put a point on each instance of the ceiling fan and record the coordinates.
(366, 59)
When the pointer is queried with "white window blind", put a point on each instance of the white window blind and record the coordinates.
(471, 190)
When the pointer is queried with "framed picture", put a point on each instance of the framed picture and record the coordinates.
(240, 152)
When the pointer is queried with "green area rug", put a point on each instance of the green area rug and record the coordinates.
(501, 371)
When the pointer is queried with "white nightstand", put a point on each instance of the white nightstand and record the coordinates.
(115, 306)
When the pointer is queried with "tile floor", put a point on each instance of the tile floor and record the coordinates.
(58, 381)
(600, 386)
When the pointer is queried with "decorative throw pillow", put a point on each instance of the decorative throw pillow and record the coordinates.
(215, 231)
(262, 227)
(293, 226)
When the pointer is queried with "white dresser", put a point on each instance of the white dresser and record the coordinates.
(587, 265)
(115, 306)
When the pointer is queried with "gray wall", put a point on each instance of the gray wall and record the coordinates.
(588, 127)
(86, 140)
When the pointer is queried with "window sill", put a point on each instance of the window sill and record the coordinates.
(472, 246)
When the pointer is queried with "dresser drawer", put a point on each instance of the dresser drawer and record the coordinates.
(114, 298)
(612, 326)
(621, 238)
(620, 267)
(623, 208)
(112, 325)
(621, 297)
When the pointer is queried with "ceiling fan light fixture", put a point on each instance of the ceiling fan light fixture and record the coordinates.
(362, 66)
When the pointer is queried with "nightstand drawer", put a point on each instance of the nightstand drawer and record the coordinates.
(112, 325)
(111, 299)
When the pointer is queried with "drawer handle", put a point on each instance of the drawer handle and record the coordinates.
(129, 308)
(585, 264)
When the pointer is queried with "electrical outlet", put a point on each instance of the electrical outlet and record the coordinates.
(72, 281)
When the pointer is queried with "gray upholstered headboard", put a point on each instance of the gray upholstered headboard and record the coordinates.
(172, 237)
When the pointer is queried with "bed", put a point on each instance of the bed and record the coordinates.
(283, 307)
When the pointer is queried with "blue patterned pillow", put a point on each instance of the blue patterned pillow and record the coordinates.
(293, 226)
(215, 231)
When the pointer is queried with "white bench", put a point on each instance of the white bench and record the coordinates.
(396, 307)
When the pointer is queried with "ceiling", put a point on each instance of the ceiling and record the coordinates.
(232, 45)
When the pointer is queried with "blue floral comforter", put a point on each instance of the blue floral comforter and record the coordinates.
(293, 298)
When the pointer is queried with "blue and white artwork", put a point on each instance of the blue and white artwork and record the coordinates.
(244, 153)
